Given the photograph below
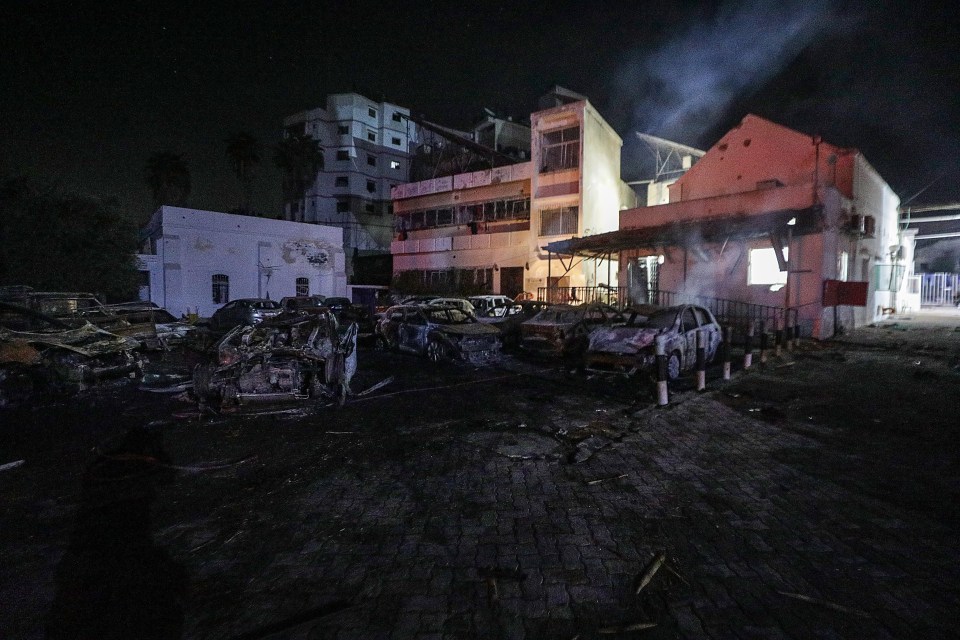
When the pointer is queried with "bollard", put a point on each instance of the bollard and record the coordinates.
(661, 351)
(763, 342)
(788, 334)
(725, 352)
(796, 334)
(701, 361)
(748, 347)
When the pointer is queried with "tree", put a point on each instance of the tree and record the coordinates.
(168, 177)
(65, 242)
(243, 150)
(299, 158)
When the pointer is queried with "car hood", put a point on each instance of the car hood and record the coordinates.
(622, 339)
(474, 329)
(86, 340)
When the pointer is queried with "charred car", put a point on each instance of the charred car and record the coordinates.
(302, 304)
(347, 312)
(37, 349)
(562, 329)
(510, 318)
(631, 347)
(439, 332)
(243, 311)
(159, 329)
(284, 358)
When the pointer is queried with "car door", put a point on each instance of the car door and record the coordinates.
(411, 330)
(688, 328)
(710, 330)
(391, 326)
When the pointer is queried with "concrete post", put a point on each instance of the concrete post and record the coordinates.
(763, 342)
(725, 352)
(777, 336)
(661, 351)
(748, 347)
(701, 360)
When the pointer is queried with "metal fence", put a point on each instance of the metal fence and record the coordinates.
(939, 289)
(615, 296)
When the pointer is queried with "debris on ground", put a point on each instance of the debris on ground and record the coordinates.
(825, 603)
(650, 571)
(11, 465)
(626, 628)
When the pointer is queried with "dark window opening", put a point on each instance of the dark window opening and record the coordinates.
(221, 288)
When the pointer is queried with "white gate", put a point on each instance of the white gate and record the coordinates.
(939, 289)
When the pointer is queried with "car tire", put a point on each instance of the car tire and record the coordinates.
(673, 366)
(436, 351)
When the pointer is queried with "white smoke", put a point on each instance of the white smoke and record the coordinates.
(682, 88)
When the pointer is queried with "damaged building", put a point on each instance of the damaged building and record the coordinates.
(769, 217)
(197, 261)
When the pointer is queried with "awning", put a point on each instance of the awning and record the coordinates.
(691, 233)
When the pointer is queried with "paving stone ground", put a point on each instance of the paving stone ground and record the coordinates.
(522, 503)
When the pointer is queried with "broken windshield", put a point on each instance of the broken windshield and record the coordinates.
(449, 316)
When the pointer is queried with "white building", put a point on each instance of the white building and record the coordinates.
(366, 151)
(198, 260)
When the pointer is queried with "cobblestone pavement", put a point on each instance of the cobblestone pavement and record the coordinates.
(520, 503)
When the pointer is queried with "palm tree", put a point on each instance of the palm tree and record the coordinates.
(168, 177)
(244, 153)
(299, 158)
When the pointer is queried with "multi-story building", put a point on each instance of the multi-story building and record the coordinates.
(366, 148)
(485, 230)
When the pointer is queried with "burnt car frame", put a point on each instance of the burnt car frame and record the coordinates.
(562, 329)
(438, 332)
(631, 347)
(291, 357)
(242, 312)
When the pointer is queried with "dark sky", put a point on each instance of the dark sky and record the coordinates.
(89, 90)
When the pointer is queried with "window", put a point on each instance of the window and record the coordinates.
(371, 160)
(370, 207)
(395, 141)
(221, 288)
(842, 261)
(343, 154)
(394, 164)
(343, 206)
(560, 149)
(371, 136)
(396, 116)
(341, 181)
(343, 129)
(303, 286)
(372, 112)
(764, 269)
(371, 186)
(556, 222)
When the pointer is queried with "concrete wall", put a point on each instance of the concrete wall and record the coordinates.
(262, 258)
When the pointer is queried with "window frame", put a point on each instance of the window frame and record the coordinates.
(220, 288)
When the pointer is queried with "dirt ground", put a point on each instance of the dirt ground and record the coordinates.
(815, 495)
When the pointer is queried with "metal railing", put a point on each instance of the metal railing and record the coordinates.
(614, 296)
(939, 289)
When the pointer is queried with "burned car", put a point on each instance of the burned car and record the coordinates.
(347, 312)
(243, 311)
(631, 347)
(37, 349)
(439, 332)
(289, 357)
(562, 329)
(159, 329)
(302, 304)
(509, 319)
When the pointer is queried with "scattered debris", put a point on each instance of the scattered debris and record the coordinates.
(785, 365)
(650, 571)
(826, 603)
(379, 385)
(11, 465)
(599, 480)
(636, 626)
(200, 467)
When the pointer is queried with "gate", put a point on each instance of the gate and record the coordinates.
(939, 289)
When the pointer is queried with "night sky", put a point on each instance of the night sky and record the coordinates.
(89, 90)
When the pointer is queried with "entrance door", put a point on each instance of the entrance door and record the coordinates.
(511, 281)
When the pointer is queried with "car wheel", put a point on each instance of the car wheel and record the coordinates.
(673, 366)
(436, 352)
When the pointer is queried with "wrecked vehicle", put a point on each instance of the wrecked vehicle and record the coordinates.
(508, 319)
(302, 304)
(347, 312)
(631, 347)
(303, 356)
(159, 328)
(439, 332)
(562, 329)
(37, 350)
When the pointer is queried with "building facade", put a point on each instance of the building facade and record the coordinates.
(196, 261)
(484, 230)
(367, 148)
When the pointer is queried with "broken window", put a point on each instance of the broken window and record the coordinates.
(395, 142)
(343, 154)
(372, 112)
(303, 286)
(371, 136)
(221, 288)
(763, 267)
(341, 181)
(343, 129)
(371, 186)
(560, 149)
(396, 116)
(560, 221)
(371, 160)
(343, 206)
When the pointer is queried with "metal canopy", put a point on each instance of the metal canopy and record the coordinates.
(690, 233)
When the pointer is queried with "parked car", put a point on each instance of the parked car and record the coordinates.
(302, 304)
(631, 347)
(562, 329)
(439, 332)
(37, 350)
(460, 303)
(509, 319)
(492, 305)
(243, 311)
(67, 305)
(293, 356)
